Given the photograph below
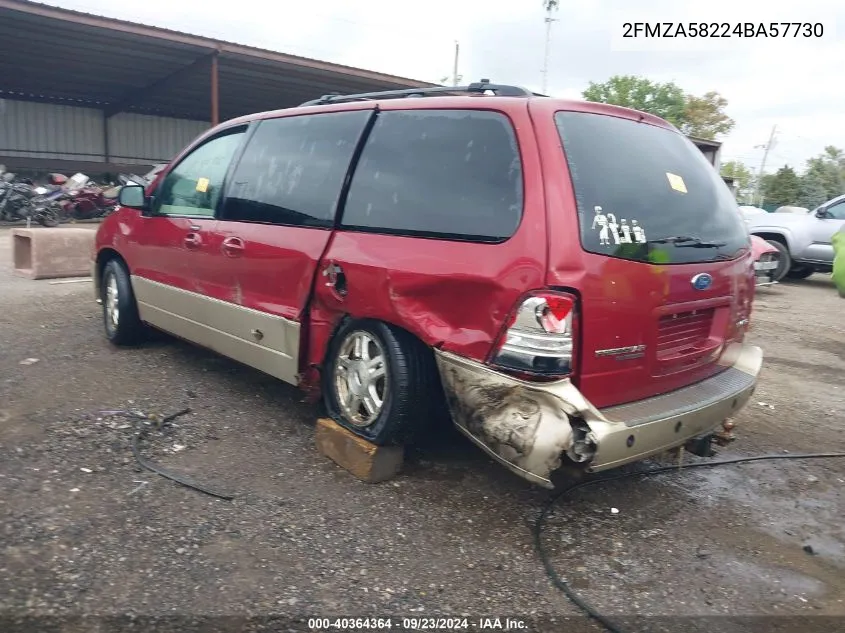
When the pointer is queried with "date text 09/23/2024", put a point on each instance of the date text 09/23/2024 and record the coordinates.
(722, 29)
(417, 624)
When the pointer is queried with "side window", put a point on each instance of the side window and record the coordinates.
(837, 211)
(446, 173)
(194, 186)
(292, 170)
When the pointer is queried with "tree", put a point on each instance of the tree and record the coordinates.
(703, 116)
(551, 5)
(742, 178)
(813, 190)
(824, 178)
(665, 100)
(782, 188)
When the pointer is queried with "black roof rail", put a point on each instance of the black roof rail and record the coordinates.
(479, 87)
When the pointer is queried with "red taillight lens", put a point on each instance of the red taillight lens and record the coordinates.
(539, 337)
(553, 315)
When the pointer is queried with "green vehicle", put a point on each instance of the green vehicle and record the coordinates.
(838, 242)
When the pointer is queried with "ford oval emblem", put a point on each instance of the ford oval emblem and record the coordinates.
(702, 281)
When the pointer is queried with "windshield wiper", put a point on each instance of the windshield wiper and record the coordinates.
(682, 241)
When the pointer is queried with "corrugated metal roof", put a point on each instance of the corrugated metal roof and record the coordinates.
(173, 35)
(704, 142)
(63, 56)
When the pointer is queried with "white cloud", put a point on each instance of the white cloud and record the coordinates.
(792, 82)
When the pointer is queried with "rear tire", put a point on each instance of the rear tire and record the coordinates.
(379, 382)
(785, 261)
(120, 311)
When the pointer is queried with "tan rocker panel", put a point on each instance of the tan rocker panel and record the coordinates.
(264, 341)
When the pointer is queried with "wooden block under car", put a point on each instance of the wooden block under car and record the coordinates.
(368, 462)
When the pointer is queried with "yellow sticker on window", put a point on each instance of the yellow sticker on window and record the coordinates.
(202, 185)
(676, 182)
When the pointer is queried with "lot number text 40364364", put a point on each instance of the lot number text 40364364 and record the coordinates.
(722, 29)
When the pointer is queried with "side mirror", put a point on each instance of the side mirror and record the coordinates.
(132, 196)
(822, 213)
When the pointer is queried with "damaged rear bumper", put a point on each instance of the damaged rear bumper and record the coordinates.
(532, 427)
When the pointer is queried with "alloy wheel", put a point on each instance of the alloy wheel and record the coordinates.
(112, 302)
(361, 379)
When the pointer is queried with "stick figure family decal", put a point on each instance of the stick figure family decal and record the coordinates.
(621, 232)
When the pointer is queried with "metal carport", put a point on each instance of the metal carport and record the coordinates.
(77, 60)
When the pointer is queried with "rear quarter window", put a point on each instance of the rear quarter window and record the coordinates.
(454, 174)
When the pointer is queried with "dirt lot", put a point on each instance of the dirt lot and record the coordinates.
(85, 531)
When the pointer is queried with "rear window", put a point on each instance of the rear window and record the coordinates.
(646, 193)
(453, 174)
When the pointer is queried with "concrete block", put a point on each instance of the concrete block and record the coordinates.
(368, 462)
(50, 253)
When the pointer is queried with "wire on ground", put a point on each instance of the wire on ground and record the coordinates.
(561, 584)
(141, 431)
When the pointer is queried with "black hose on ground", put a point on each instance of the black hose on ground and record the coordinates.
(141, 430)
(561, 584)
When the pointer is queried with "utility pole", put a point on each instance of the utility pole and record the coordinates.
(455, 66)
(551, 5)
(769, 144)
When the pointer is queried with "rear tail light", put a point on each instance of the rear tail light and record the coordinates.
(539, 337)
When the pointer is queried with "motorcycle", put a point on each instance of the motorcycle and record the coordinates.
(5, 184)
(22, 200)
(45, 208)
(15, 198)
(84, 200)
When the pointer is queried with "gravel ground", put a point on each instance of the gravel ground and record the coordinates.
(85, 531)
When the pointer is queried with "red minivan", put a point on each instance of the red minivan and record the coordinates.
(574, 278)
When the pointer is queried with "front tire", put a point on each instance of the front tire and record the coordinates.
(120, 311)
(378, 382)
(785, 261)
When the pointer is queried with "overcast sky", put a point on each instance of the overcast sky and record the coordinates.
(796, 84)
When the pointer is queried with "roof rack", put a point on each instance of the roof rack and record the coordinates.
(480, 87)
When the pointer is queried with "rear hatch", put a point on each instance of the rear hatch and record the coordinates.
(664, 268)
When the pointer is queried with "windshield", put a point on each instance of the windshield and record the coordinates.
(646, 193)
